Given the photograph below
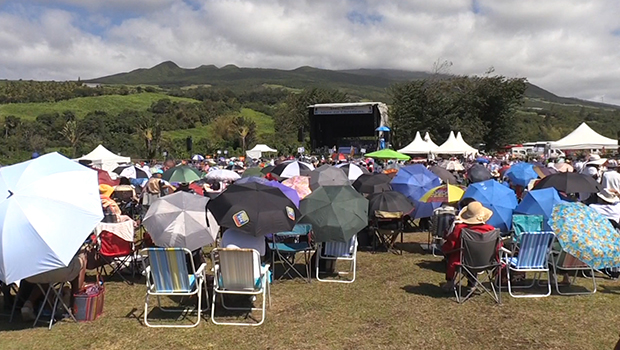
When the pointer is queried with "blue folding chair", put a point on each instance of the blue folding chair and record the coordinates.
(285, 246)
(533, 256)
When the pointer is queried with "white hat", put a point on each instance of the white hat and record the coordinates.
(608, 197)
(595, 159)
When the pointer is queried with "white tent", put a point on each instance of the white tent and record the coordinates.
(417, 146)
(470, 149)
(258, 151)
(428, 140)
(452, 146)
(104, 159)
(584, 138)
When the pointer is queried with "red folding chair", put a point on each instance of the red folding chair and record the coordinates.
(116, 253)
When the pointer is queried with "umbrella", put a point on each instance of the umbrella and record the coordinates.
(539, 202)
(454, 165)
(260, 180)
(391, 201)
(132, 172)
(445, 193)
(497, 197)
(388, 154)
(182, 173)
(482, 160)
(372, 183)
(521, 173)
(235, 167)
(544, 171)
(289, 192)
(254, 208)
(478, 173)
(255, 171)
(266, 170)
(222, 175)
(569, 183)
(292, 168)
(352, 170)
(443, 174)
(198, 158)
(105, 179)
(301, 185)
(414, 181)
(48, 208)
(382, 128)
(335, 212)
(180, 220)
(326, 175)
(586, 234)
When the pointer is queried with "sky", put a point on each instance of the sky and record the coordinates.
(570, 47)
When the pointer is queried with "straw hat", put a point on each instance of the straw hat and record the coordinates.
(106, 190)
(608, 197)
(474, 213)
(595, 159)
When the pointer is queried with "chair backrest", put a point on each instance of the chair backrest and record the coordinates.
(237, 268)
(442, 221)
(169, 269)
(568, 261)
(534, 250)
(111, 245)
(341, 249)
(388, 221)
(479, 250)
(389, 215)
(526, 223)
(302, 229)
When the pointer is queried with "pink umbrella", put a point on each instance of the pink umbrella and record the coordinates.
(301, 185)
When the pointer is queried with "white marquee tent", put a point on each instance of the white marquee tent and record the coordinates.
(417, 146)
(584, 138)
(470, 149)
(104, 159)
(453, 146)
(258, 150)
(428, 140)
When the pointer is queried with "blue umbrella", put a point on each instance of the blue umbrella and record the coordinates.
(539, 202)
(482, 160)
(493, 195)
(382, 128)
(521, 174)
(414, 181)
(289, 192)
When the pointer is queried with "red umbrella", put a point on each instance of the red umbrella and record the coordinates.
(197, 188)
(105, 179)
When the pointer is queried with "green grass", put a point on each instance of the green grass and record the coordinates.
(112, 104)
(395, 303)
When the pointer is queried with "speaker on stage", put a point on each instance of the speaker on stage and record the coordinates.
(188, 143)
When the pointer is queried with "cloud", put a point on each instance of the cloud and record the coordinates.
(567, 46)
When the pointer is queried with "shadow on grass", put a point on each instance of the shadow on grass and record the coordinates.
(410, 247)
(433, 265)
(429, 290)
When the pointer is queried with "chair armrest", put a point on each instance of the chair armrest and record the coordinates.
(504, 250)
(201, 270)
(264, 269)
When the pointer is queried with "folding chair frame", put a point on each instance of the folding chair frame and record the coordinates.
(554, 259)
(435, 240)
(352, 258)
(388, 240)
(120, 262)
(288, 257)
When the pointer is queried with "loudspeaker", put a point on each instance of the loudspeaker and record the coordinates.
(300, 135)
(188, 143)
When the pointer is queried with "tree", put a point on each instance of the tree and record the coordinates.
(11, 122)
(72, 133)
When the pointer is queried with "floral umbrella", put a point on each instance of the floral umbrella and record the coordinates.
(586, 234)
(301, 184)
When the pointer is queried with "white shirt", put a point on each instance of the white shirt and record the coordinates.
(611, 180)
(609, 211)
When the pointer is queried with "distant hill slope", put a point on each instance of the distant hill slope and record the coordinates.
(359, 83)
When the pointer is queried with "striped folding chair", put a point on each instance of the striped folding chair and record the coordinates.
(167, 275)
(239, 272)
(338, 251)
(533, 256)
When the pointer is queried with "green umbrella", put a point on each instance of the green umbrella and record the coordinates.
(335, 212)
(256, 171)
(181, 174)
(388, 154)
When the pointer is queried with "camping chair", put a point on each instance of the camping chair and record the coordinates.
(53, 291)
(167, 275)
(387, 226)
(117, 253)
(533, 257)
(441, 223)
(238, 271)
(338, 251)
(563, 262)
(285, 246)
(525, 223)
(478, 256)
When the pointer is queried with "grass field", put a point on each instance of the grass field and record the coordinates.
(395, 303)
(112, 104)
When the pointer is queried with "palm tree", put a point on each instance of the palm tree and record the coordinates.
(72, 133)
(243, 131)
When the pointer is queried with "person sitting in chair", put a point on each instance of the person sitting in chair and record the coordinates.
(474, 217)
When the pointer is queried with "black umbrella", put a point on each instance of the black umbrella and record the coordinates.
(132, 172)
(266, 170)
(372, 183)
(478, 173)
(327, 175)
(392, 201)
(292, 168)
(254, 208)
(569, 183)
(444, 174)
(235, 167)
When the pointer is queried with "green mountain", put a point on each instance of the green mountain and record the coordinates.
(365, 84)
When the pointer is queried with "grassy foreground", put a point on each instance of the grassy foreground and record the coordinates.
(395, 303)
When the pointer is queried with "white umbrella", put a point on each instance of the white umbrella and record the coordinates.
(223, 175)
(454, 165)
(180, 220)
(198, 157)
(49, 206)
(352, 170)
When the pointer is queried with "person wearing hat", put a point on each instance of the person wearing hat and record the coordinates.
(609, 206)
(474, 217)
(110, 208)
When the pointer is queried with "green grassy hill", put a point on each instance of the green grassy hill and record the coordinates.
(112, 104)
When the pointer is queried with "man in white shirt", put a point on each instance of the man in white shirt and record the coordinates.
(608, 205)
(611, 179)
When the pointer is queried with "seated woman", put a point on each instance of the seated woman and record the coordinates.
(474, 217)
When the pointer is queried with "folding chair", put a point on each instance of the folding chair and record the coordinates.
(53, 290)
(338, 251)
(388, 226)
(117, 253)
(441, 223)
(478, 256)
(285, 246)
(167, 275)
(239, 271)
(525, 223)
(533, 256)
(563, 262)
